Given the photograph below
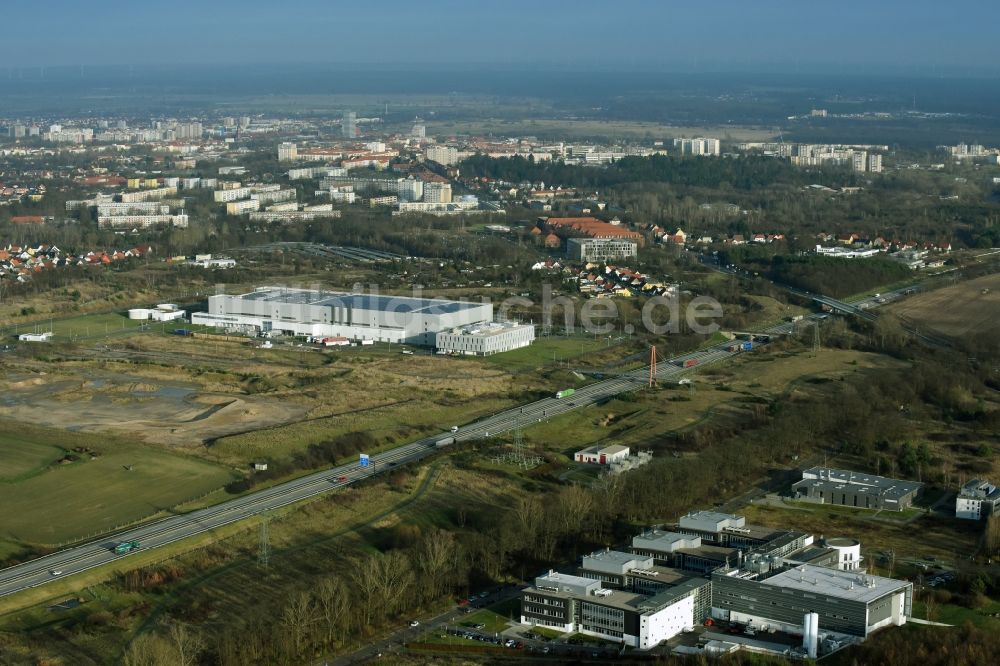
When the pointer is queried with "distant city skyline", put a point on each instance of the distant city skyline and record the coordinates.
(912, 36)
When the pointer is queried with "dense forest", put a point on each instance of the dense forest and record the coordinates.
(745, 173)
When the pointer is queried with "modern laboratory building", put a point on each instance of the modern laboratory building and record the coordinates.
(855, 489)
(485, 339)
(850, 603)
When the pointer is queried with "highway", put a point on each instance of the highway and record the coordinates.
(175, 528)
(861, 308)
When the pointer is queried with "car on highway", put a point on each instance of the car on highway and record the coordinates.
(341, 478)
(56, 572)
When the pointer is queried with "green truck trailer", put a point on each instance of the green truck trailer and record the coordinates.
(126, 547)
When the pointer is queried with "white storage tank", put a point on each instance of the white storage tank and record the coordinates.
(138, 313)
(166, 307)
(810, 633)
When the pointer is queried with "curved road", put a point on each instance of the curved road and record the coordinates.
(174, 528)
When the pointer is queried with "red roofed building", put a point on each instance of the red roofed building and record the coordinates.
(27, 219)
(590, 226)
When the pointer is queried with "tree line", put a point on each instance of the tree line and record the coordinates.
(743, 173)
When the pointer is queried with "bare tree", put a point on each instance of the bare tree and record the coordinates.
(332, 602)
(188, 643)
(148, 650)
(528, 512)
(383, 583)
(574, 505)
(298, 616)
(394, 577)
(436, 561)
(363, 573)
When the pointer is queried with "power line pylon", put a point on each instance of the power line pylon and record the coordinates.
(652, 366)
(264, 546)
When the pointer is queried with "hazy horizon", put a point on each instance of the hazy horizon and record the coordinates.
(915, 38)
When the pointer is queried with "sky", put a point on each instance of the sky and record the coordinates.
(939, 37)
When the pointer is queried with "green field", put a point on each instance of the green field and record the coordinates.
(546, 350)
(24, 457)
(85, 326)
(959, 615)
(62, 503)
(492, 622)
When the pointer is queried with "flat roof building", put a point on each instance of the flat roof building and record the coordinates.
(601, 455)
(976, 500)
(485, 339)
(783, 583)
(710, 521)
(855, 489)
(316, 313)
(584, 605)
(659, 542)
(600, 249)
(614, 562)
(848, 602)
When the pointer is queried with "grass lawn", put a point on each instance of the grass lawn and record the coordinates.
(547, 350)
(70, 502)
(548, 632)
(958, 615)
(86, 326)
(584, 475)
(939, 537)
(589, 640)
(492, 621)
(23, 457)
(898, 516)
